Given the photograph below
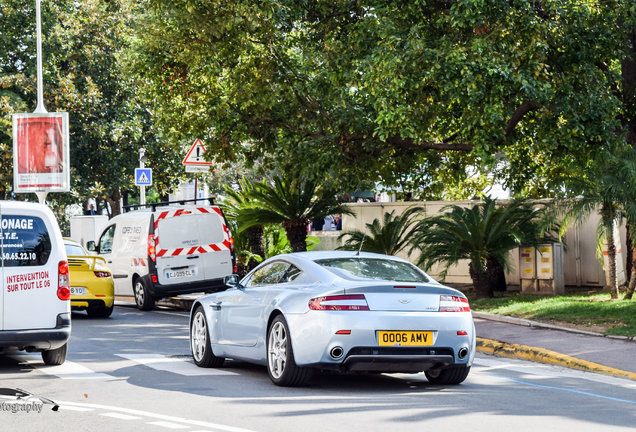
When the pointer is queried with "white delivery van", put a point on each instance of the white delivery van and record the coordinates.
(167, 250)
(35, 307)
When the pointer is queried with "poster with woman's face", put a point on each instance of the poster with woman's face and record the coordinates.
(40, 152)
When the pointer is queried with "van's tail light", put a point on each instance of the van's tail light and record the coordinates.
(152, 247)
(63, 281)
(101, 274)
(349, 302)
(232, 244)
(453, 304)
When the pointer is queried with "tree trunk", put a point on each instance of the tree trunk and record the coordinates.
(114, 201)
(632, 281)
(628, 247)
(296, 234)
(255, 244)
(481, 283)
(611, 258)
(497, 275)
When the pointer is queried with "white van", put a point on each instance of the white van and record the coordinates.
(35, 307)
(167, 250)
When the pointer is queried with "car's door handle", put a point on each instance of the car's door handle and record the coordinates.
(193, 256)
(216, 306)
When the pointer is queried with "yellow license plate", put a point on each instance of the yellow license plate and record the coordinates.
(405, 338)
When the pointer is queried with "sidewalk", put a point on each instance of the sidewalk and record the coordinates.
(534, 341)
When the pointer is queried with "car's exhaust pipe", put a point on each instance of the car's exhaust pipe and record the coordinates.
(463, 352)
(336, 352)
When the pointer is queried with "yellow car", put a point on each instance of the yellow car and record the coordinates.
(92, 285)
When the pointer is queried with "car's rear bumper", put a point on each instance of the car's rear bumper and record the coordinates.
(38, 339)
(354, 336)
(208, 286)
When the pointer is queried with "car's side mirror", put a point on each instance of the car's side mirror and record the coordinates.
(232, 281)
(90, 246)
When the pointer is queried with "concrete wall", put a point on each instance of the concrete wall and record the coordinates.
(581, 267)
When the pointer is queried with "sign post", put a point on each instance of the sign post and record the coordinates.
(143, 176)
(41, 142)
(195, 162)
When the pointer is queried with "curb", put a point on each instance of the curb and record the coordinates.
(540, 355)
(538, 324)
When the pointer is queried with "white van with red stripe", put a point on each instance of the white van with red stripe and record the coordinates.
(167, 250)
(35, 307)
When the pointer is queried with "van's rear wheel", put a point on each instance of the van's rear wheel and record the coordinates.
(55, 357)
(144, 300)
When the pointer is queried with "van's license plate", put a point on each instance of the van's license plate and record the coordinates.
(176, 274)
(78, 290)
(405, 338)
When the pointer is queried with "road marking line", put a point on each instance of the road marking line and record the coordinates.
(169, 425)
(549, 387)
(72, 408)
(67, 370)
(120, 416)
(204, 424)
(175, 365)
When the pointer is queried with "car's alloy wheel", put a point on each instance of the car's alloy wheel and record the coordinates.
(143, 299)
(200, 341)
(281, 366)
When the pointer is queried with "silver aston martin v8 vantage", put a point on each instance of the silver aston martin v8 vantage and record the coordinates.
(304, 312)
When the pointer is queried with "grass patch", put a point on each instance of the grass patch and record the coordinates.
(618, 317)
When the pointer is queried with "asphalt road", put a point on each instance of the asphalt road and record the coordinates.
(134, 372)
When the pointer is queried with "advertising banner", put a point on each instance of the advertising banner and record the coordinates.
(41, 152)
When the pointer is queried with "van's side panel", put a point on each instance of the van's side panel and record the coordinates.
(30, 276)
(130, 243)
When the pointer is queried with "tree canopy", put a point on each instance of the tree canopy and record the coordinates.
(351, 87)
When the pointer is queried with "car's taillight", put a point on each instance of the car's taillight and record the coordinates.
(152, 247)
(63, 281)
(347, 302)
(232, 244)
(102, 273)
(453, 304)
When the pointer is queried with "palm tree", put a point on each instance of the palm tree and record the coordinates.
(483, 234)
(291, 201)
(252, 249)
(389, 237)
(609, 187)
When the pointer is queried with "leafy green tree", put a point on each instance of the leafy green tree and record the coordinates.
(484, 234)
(83, 69)
(291, 201)
(607, 185)
(359, 85)
(390, 236)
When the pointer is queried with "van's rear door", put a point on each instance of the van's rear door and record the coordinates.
(192, 245)
(32, 251)
(3, 286)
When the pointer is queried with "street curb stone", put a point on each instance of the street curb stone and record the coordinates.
(540, 355)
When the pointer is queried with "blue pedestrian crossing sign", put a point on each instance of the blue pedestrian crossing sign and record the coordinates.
(143, 176)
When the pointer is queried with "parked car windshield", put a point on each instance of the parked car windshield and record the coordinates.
(374, 268)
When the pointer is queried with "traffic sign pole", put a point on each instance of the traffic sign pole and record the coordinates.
(142, 164)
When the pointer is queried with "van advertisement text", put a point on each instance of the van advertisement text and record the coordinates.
(28, 281)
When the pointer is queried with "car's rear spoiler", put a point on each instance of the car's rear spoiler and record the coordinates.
(90, 261)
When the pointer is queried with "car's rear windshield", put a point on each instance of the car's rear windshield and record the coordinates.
(374, 268)
(72, 249)
(24, 241)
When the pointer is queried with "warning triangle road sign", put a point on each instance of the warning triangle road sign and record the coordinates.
(195, 154)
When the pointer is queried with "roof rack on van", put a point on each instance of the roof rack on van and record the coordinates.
(165, 203)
